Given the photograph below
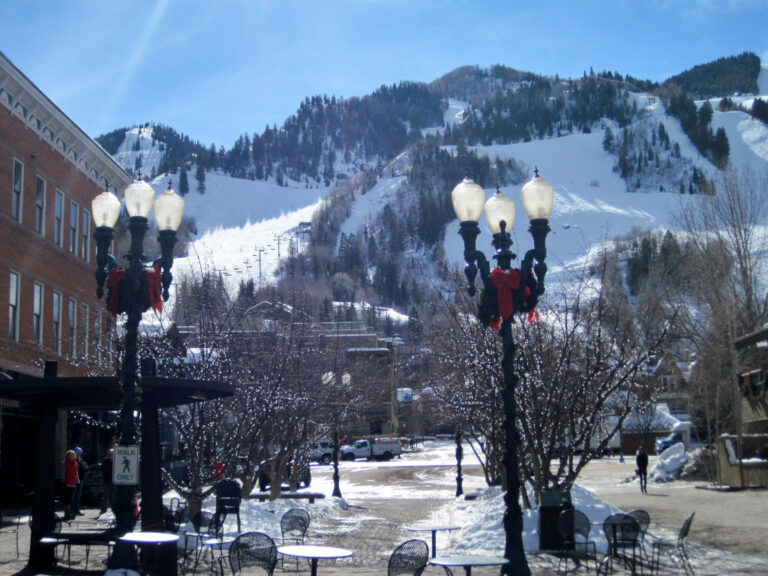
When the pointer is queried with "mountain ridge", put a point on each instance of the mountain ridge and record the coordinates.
(384, 230)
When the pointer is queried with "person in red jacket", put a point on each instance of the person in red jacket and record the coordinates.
(71, 481)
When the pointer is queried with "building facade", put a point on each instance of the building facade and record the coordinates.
(50, 170)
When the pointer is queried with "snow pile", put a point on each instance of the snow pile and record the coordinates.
(670, 463)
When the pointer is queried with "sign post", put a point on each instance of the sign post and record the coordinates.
(125, 469)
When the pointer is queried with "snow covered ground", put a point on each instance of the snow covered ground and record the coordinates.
(481, 517)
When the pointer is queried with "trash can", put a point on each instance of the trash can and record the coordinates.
(551, 503)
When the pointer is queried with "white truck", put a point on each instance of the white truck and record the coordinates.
(371, 449)
(321, 451)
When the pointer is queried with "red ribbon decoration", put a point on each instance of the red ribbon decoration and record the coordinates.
(154, 284)
(506, 283)
(114, 278)
(155, 289)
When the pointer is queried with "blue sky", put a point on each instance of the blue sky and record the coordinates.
(215, 69)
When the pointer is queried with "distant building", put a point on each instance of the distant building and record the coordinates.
(50, 170)
(670, 379)
(743, 454)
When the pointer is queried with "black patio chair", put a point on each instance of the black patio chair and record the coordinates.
(11, 528)
(643, 520)
(574, 527)
(670, 546)
(623, 534)
(253, 549)
(293, 527)
(228, 497)
(171, 518)
(410, 558)
(206, 527)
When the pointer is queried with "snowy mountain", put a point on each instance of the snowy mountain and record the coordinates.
(242, 223)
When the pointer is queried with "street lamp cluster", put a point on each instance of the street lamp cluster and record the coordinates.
(133, 290)
(506, 291)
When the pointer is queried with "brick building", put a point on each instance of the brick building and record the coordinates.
(50, 170)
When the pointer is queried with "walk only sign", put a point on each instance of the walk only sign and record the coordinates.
(125, 469)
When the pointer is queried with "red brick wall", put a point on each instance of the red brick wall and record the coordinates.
(37, 258)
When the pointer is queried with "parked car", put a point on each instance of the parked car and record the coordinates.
(302, 469)
(666, 441)
(681, 432)
(321, 451)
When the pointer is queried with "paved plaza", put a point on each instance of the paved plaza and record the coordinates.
(727, 537)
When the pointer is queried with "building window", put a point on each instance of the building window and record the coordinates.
(668, 383)
(97, 338)
(72, 316)
(57, 322)
(58, 226)
(86, 236)
(73, 220)
(18, 187)
(13, 307)
(37, 314)
(40, 207)
(84, 331)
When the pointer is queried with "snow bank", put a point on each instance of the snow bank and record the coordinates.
(670, 463)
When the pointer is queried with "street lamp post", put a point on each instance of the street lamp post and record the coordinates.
(459, 455)
(506, 291)
(133, 290)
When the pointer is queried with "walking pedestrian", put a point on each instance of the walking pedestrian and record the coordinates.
(82, 466)
(70, 482)
(642, 468)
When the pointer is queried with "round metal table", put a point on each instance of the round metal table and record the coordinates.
(468, 561)
(314, 553)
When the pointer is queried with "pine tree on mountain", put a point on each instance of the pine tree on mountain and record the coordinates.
(200, 177)
(721, 148)
(183, 181)
(608, 140)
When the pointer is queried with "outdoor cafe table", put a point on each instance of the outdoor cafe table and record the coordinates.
(434, 528)
(468, 561)
(166, 557)
(314, 553)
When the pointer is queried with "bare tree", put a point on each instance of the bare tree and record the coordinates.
(578, 370)
(726, 295)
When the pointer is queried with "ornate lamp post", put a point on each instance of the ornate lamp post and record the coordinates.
(133, 290)
(506, 291)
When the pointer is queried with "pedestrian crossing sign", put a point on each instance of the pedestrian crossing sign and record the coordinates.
(125, 469)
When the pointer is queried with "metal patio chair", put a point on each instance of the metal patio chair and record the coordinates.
(574, 527)
(252, 549)
(623, 534)
(228, 497)
(293, 527)
(11, 528)
(670, 546)
(409, 558)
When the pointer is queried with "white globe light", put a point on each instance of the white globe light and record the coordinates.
(106, 209)
(538, 198)
(468, 198)
(169, 209)
(500, 209)
(139, 199)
